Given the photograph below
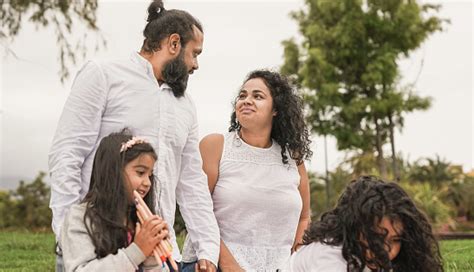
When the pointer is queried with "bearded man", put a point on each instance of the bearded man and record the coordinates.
(145, 93)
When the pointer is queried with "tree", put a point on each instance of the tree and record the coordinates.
(63, 15)
(430, 201)
(32, 203)
(436, 171)
(321, 202)
(27, 206)
(347, 68)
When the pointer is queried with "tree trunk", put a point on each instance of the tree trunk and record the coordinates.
(378, 145)
(396, 173)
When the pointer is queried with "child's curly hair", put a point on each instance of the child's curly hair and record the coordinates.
(359, 210)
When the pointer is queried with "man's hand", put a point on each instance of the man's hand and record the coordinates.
(205, 266)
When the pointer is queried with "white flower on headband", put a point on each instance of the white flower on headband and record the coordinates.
(130, 143)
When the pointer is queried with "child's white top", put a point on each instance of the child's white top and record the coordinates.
(317, 257)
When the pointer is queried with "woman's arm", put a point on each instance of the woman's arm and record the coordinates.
(211, 148)
(305, 216)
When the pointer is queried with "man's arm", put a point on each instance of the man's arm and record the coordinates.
(195, 201)
(75, 138)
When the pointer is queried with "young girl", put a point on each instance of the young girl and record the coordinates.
(374, 227)
(102, 233)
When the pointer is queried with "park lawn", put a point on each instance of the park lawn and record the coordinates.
(26, 251)
(458, 255)
(30, 251)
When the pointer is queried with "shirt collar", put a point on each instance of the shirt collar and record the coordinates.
(146, 65)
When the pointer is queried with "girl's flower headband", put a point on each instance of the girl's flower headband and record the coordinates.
(130, 143)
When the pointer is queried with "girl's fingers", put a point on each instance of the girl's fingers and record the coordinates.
(156, 229)
(140, 217)
(151, 222)
(163, 234)
(137, 228)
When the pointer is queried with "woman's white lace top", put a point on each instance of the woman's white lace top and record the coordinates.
(257, 204)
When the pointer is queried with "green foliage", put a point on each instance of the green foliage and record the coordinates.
(6, 204)
(347, 67)
(179, 225)
(338, 179)
(430, 201)
(440, 189)
(62, 15)
(435, 171)
(27, 206)
(442, 175)
(32, 206)
(461, 196)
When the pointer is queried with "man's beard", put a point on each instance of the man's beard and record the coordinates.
(176, 74)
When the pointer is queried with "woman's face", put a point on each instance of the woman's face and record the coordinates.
(393, 242)
(254, 105)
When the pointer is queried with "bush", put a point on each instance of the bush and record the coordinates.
(27, 206)
(430, 201)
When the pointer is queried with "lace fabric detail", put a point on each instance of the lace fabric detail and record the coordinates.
(260, 258)
(253, 191)
(237, 150)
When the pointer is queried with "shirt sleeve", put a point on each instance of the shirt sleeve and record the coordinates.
(79, 251)
(195, 201)
(75, 138)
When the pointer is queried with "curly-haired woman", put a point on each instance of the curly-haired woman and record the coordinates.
(375, 226)
(257, 177)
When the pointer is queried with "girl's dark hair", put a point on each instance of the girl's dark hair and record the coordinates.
(289, 129)
(365, 201)
(108, 210)
(162, 23)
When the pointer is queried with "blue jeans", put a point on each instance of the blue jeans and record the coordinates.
(59, 264)
(190, 267)
(180, 267)
(59, 259)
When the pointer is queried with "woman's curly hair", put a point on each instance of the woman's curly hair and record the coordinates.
(365, 201)
(289, 129)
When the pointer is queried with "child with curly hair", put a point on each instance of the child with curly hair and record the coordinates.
(375, 226)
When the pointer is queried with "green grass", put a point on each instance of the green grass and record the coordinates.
(29, 251)
(26, 251)
(458, 255)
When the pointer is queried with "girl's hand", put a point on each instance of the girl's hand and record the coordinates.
(150, 234)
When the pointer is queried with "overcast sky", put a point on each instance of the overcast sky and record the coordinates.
(239, 37)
